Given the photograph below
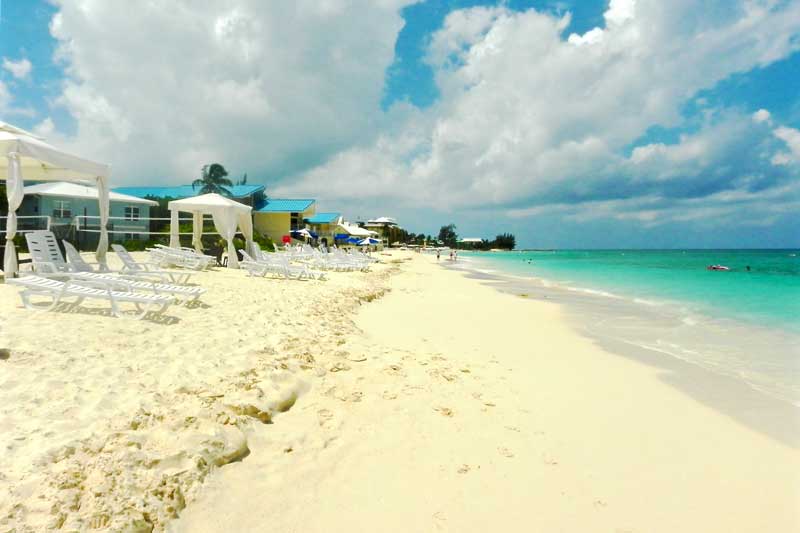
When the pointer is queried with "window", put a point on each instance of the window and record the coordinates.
(296, 222)
(61, 209)
(131, 213)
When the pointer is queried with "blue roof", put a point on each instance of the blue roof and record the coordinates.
(185, 191)
(322, 218)
(283, 205)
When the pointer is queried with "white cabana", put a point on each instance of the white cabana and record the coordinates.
(227, 215)
(23, 156)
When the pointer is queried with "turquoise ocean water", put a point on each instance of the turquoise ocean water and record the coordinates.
(742, 323)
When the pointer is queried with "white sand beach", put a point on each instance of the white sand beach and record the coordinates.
(408, 399)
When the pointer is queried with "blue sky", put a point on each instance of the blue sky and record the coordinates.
(367, 102)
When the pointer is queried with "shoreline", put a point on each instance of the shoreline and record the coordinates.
(641, 292)
(469, 409)
(668, 331)
(443, 404)
(729, 395)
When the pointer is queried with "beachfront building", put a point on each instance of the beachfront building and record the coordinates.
(325, 226)
(469, 243)
(349, 235)
(385, 228)
(250, 195)
(277, 218)
(72, 206)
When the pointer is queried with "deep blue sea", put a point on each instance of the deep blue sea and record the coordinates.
(742, 323)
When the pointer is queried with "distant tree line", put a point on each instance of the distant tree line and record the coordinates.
(448, 237)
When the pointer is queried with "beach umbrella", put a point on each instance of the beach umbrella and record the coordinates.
(368, 241)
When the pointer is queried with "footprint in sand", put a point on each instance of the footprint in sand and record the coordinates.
(549, 460)
(338, 367)
(324, 416)
(463, 469)
(389, 395)
(394, 370)
(444, 411)
(505, 452)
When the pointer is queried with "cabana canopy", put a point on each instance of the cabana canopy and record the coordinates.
(23, 156)
(227, 215)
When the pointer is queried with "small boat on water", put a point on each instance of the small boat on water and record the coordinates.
(717, 267)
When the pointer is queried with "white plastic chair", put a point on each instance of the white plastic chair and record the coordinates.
(82, 290)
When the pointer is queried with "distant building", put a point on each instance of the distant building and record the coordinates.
(250, 195)
(63, 202)
(385, 228)
(276, 218)
(325, 226)
(469, 243)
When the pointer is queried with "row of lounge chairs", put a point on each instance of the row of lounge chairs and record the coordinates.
(165, 257)
(154, 285)
(277, 265)
(335, 260)
(138, 284)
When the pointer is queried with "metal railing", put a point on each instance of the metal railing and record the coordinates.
(128, 229)
(22, 227)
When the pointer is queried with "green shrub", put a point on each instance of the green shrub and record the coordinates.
(264, 242)
(135, 245)
(20, 243)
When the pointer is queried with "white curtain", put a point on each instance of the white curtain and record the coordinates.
(225, 220)
(246, 227)
(102, 245)
(197, 231)
(15, 191)
(174, 238)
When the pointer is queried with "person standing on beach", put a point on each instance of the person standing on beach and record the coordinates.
(455, 255)
(438, 253)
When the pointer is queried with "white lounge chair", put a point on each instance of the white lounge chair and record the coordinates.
(43, 245)
(81, 290)
(181, 257)
(188, 293)
(262, 267)
(300, 269)
(131, 266)
(46, 257)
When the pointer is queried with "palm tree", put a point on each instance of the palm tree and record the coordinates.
(212, 179)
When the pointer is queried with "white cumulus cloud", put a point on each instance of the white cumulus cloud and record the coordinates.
(791, 137)
(762, 115)
(161, 88)
(531, 117)
(19, 69)
(527, 118)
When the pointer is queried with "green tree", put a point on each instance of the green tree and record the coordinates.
(242, 181)
(506, 241)
(213, 180)
(448, 235)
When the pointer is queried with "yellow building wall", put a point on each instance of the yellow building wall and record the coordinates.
(276, 225)
(273, 225)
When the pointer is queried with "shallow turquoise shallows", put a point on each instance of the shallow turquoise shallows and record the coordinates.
(744, 324)
(766, 294)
